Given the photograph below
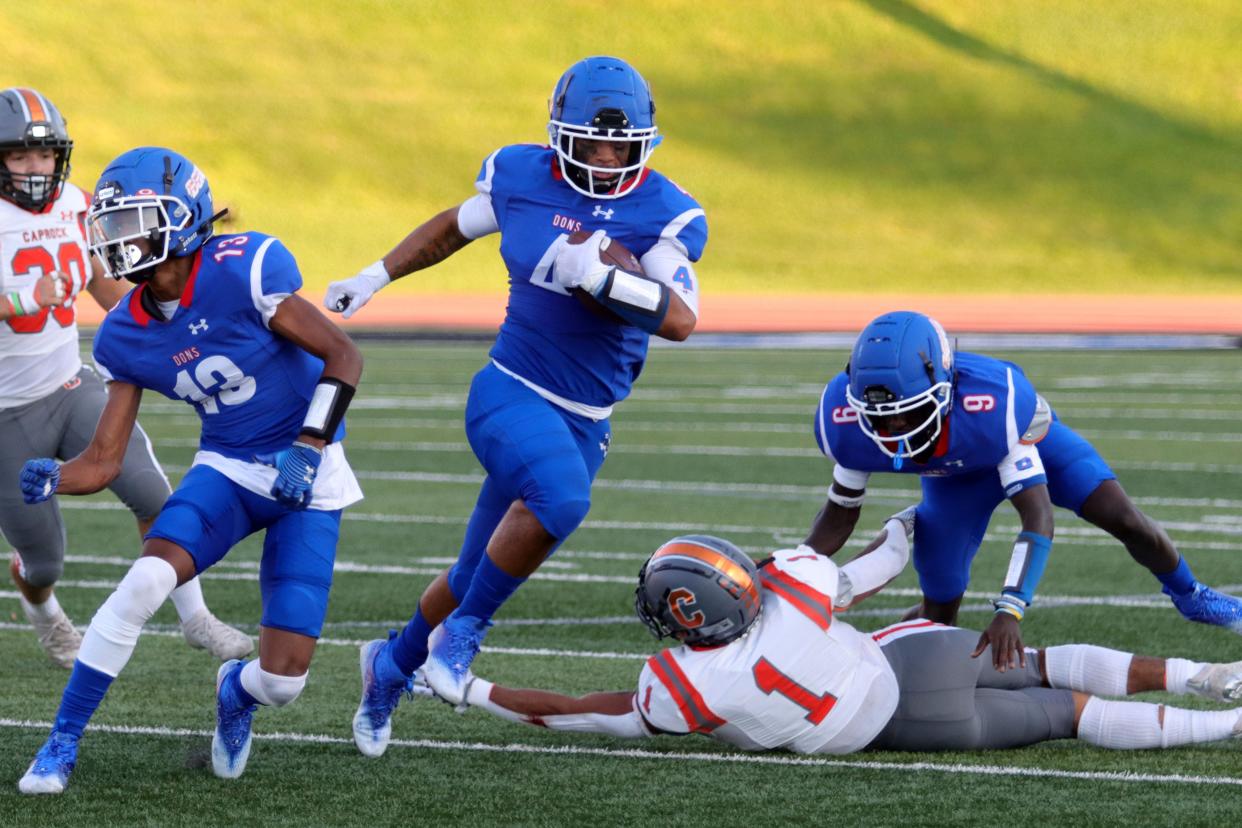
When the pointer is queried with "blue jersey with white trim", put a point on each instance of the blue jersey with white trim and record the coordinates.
(993, 405)
(250, 386)
(548, 336)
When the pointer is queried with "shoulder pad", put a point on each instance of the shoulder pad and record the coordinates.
(1041, 421)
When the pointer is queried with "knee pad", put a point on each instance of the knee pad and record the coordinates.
(561, 517)
(42, 570)
(113, 633)
(269, 688)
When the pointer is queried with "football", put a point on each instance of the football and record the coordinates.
(611, 252)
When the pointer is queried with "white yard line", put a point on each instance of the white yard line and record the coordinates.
(730, 758)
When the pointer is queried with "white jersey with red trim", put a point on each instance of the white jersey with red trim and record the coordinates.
(39, 352)
(800, 678)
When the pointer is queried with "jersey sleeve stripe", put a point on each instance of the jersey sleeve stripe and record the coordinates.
(693, 708)
(812, 603)
(670, 231)
(264, 304)
(1011, 420)
(484, 184)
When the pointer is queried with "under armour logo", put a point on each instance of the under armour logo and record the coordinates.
(604, 443)
(198, 327)
(600, 211)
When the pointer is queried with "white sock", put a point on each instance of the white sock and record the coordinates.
(47, 611)
(1088, 669)
(1178, 671)
(1128, 725)
(188, 599)
(269, 688)
(113, 633)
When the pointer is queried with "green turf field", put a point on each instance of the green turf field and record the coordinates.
(931, 146)
(712, 441)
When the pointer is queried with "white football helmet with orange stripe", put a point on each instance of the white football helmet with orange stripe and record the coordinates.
(698, 589)
(27, 121)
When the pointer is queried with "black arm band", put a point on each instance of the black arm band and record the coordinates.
(640, 301)
(327, 408)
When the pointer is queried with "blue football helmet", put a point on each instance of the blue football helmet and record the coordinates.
(29, 121)
(602, 99)
(901, 383)
(152, 196)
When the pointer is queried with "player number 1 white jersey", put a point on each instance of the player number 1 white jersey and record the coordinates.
(800, 679)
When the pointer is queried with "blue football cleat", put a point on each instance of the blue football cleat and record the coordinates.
(49, 772)
(230, 746)
(1207, 606)
(381, 691)
(447, 670)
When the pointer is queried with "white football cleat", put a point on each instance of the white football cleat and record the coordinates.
(206, 632)
(230, 744)
(1218, 682)
(49, 772)
(57, 636)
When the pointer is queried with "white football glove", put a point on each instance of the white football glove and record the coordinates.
(578, 265)
(349, 295)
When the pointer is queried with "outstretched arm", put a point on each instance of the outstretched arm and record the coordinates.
(612, 714)
(431, 242)
(100, 463)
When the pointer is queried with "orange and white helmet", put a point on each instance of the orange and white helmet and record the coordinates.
(698, 589)
(27, 121)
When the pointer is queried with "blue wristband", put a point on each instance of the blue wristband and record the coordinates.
(1026, 566)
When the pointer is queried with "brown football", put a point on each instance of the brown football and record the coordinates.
(611, 252)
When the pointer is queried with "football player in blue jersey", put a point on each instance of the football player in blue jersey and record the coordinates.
(976, 432)
(215, 322)
(537, 416)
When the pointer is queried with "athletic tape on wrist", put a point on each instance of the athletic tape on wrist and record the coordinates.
(327, 408)
(1026, 566)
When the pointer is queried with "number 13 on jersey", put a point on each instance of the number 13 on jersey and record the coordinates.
(219, 382)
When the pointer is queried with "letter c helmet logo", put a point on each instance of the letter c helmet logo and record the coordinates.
(679, 601)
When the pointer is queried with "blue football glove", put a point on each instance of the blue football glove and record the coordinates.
(39, 479)
(296, 468)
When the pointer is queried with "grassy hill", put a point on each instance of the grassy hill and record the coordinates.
(950, 145)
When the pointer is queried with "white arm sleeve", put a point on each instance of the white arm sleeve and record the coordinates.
(1021, 465)
(878, 567)
(849, 478)
(626, 726)
(667, 263)
(476, 218)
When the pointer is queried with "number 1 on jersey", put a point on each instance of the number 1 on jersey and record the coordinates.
(771, 680)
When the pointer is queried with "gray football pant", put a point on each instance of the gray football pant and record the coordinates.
(61, 425)
(950, 701)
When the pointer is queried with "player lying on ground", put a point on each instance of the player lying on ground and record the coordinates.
(49, 402)
(764, 662)
(976, 433)
(215, 321)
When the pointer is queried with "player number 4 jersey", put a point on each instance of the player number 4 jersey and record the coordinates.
(39, 352)
(800, 679)
(548, 337)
